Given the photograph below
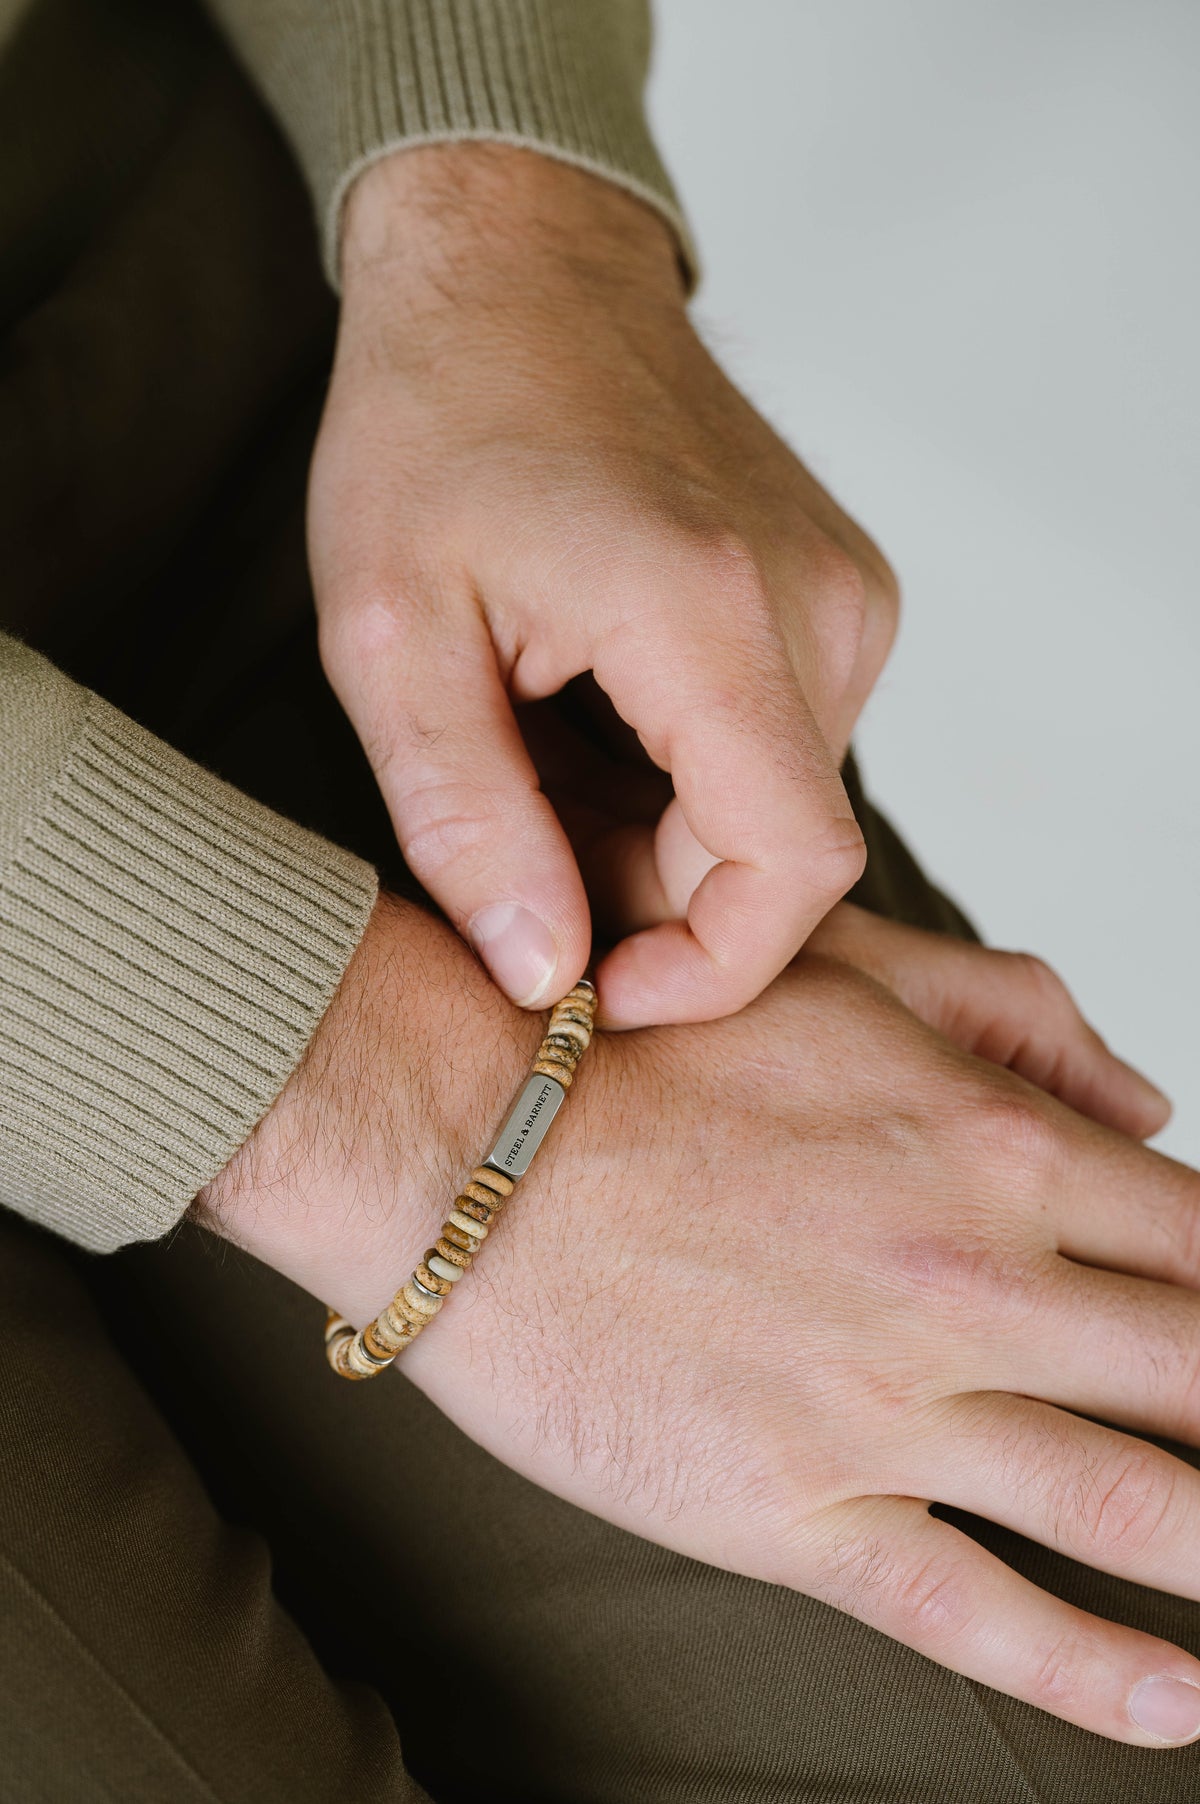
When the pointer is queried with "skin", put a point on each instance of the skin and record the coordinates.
(853, 1268)
(530, 468)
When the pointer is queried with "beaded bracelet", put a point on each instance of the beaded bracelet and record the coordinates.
(364, 1352)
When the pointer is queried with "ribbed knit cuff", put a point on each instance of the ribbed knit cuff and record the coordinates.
(353, 80)
(167, 948)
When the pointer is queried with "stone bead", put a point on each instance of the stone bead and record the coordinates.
(562, 1043)
(479, 1193)
(336, 1324)
(337, 1353)
(569, 1013)
(459, 1218)
(426, 1306)
(558, 1050)
(382, 1340)
(401, 1317)
(562, 1074)
(579, 1036)
(498, 1181)
(360, 1361)
(452, 1250)
(424, 1279)
(482, 1213)
(442, 1268)
(585, 988)
(458, 1238)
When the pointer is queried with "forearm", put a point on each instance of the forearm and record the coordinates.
(167, 948)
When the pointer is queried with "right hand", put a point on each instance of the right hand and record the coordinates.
(530, 467)
(775, 1284)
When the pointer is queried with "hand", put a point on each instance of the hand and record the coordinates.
(773, 1284)
(530, 468)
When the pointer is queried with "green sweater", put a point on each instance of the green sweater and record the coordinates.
(167, 945)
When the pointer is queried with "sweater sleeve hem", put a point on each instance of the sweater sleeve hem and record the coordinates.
(353, 80)
(167, 949)
(662, 203)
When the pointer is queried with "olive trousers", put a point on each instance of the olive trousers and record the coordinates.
(197, 1599)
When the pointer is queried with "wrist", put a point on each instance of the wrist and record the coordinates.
(468, 221)
(405, 1077)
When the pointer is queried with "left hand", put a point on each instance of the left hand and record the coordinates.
(777, 1284)
(531, 468)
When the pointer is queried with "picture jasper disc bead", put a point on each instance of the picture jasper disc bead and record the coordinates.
(441, 1287)
(569, 1011)
(450, 1250)
(362, 1361)
(424, 1305)
(339, 1359)
(498, 1181)
(479, 1193)
(573, 1032)
(472, 1211)
(562, 1074)
(390, 1331)
(465, 1242)
(458, 1218)
(403, 1322)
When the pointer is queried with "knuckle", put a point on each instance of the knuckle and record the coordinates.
(856, 1575)
(841, 590)
(1059, 1672)
(883, 590)
(836, 858)
(1040, 979)
(446, 820)
(966, 1279)
(1012, 1131)
(1116, 1507)
(839, 604)
(718, 569)
(724, 559)
(934, 1604)
(363, 625)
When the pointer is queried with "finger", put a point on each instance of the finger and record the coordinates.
(925, 1583)
(758, 792)
(426, 698)
(1126, 1208)
(1006, 1007)
(1124, 1349)
(1104, 1498)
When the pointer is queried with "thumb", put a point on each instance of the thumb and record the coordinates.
(1008, 1007)
(426, 698)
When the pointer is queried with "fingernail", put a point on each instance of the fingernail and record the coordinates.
(518, 950)
(1167, 1708)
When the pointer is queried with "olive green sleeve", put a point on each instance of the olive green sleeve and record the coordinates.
(351, 80)
(167, 948)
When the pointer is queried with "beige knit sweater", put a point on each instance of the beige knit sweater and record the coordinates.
(168, 946)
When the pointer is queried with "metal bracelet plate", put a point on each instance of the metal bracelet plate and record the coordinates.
(525, 1128)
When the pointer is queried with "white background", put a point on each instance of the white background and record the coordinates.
(952, 251)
